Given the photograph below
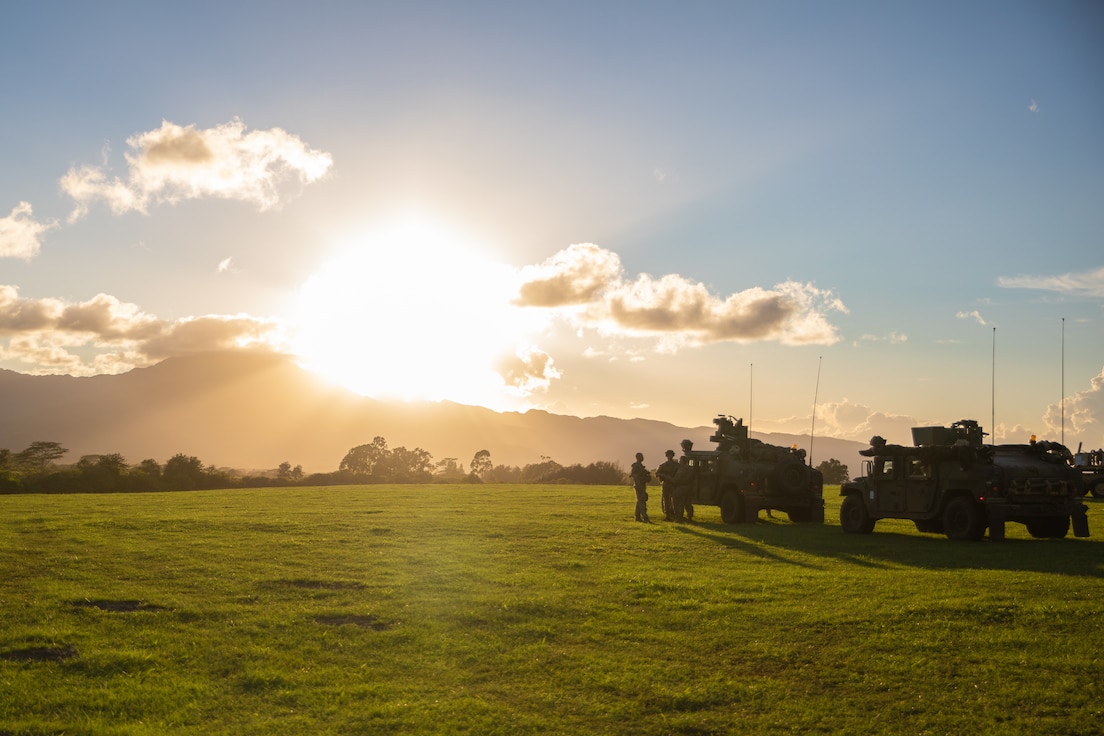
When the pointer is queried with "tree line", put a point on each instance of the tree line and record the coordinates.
(35, 470)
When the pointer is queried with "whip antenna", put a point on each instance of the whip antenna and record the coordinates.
(993, 397)
(812, 429)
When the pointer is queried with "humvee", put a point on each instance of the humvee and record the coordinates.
(744, 476)
(951, 483)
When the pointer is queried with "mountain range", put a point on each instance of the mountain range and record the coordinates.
(251, 412)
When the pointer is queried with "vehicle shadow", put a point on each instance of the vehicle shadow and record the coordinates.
(1069, 556)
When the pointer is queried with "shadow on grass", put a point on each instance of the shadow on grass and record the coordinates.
(1075, 557)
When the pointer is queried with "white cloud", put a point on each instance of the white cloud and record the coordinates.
(1034, 106)
(974, 315)
(1084, 416)
(226, 265)
(587, 283)
(893, 338)
(528, 371)
(20, 234)
(175, 163)
(1080, 283)
(106, 335)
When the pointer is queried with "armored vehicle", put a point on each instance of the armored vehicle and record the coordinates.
(1091, 467)
(744, 476)
(951, 483)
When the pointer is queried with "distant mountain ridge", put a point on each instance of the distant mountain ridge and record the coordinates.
(252, 412)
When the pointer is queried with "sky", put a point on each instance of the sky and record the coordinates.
(838, 218)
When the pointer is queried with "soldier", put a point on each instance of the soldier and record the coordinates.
(666, 473)
(684, 509)
(640, 477)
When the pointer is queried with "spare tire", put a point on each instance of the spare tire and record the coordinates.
(789, 477)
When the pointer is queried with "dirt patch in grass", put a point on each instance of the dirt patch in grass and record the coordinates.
(118, 606)
(364, 621)
(40, 654)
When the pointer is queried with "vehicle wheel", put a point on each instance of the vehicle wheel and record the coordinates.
(816, 514)
(1098, 489)
(789, 478)
(854, 518)
(1050, 527)
(732, 507)
(963, 520)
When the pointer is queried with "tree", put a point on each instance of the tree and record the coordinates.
(102, 472)
(413, 464)
(481, 464)
(449, 467)
(546, 471)
(38, 456)
(834, 472)
(364, 459)
(150, 467)
(184, 472)
(283, 473)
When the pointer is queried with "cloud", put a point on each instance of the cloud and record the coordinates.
(175, 163)
(1081, 283)
(1084, 416)
(893, 338)
(20, 234)
(974, 315)
(528, 371)
(1034, 106)
(847, 419)
(226, 265)
(573, 276)
(588, 283)
(106, 335)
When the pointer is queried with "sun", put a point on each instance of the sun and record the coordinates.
(412, 312)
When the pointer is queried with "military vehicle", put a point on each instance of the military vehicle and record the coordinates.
(951, 483)
(1091, 467)
(744, 476)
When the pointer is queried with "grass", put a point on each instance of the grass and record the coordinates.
(528, 609)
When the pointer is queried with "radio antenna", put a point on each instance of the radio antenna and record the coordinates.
(812, 428)
(993, 398)
(751, 395)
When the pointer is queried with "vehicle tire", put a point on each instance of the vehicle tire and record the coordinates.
(1048, 527)
(1098, 489)
(854, 518)
(816, 514)
(732, 507)
(963, 520)
(789, 478)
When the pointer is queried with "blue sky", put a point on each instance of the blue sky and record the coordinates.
(667, 210)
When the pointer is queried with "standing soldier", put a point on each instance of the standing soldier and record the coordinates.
(666, 473)
(684, 478)
(640, 477)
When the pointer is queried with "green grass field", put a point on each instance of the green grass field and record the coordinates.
(529, 609)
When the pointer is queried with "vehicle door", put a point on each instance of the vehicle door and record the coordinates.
(703, 488)
(919, 485)
(887, 487)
